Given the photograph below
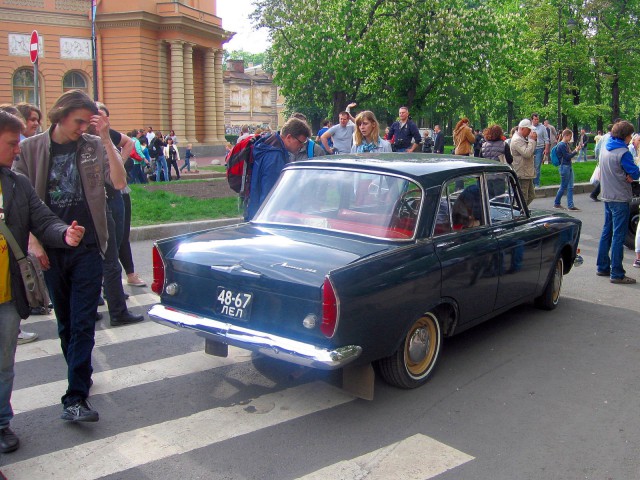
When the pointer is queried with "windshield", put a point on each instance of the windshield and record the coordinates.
(365, 203)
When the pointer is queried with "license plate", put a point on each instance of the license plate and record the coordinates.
(233, 304)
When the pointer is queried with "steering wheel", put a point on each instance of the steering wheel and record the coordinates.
(406, 208)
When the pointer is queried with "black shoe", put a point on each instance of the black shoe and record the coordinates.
(126, 319)
(98, 316)
(80, 411)
(100, 301)
(8, 440)
(595, 199)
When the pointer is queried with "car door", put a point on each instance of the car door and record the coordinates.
(519, 240)
(466, 247)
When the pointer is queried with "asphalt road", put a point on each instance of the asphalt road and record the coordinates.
(527, 395)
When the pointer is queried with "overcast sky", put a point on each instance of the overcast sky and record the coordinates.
(234, 15)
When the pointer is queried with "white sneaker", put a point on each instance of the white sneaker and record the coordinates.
(135, 281)
(26, 337)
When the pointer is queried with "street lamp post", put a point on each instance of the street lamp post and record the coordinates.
(571, 23)
(94, 50)
(559, 124)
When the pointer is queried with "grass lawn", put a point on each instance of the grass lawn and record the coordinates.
(549, 175)
(213, 168)
(160, 206)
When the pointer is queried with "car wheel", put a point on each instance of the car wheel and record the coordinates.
(413, 363)
(630, 237)
(551, 295)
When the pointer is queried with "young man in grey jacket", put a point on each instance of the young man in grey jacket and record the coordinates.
(68, 169)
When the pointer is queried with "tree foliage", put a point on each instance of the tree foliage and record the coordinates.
(489, 60)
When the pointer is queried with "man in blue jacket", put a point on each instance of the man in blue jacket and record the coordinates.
(617, 172)
(270, 154)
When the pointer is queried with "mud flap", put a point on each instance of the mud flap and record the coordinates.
(359, 381)
(216, 349)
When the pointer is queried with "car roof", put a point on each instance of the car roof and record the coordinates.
(428, 169)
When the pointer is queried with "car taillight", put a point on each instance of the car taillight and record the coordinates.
(329, 309)
(158, 271)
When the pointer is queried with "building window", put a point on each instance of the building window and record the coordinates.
(74, 81)
(23, 86)
(235, 98)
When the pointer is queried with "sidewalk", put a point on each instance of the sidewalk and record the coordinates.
(154, 232)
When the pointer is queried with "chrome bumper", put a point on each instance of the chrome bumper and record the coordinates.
(273, 346)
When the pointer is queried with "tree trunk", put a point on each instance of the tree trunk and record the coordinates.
(339, 104)
(615, 97)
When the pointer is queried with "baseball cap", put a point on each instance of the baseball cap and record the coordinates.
(526, 123)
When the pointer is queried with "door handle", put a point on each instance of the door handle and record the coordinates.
(444, 244)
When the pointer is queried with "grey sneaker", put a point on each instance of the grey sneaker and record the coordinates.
(26, 337)
(80, 411)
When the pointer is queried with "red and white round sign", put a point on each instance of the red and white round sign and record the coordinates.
(33, 49)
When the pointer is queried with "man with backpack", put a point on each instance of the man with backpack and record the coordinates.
(270, 154)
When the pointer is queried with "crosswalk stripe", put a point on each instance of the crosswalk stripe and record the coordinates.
(134, 448)
(46, 395)
(415, 458)
(140, 300)
(111, 336)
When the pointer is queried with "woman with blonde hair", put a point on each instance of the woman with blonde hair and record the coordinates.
(463, 138)
(366, 138)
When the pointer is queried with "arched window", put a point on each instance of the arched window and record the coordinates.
(74, 81)
(23, 86)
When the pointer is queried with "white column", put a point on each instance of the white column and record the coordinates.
(219, 96)
(164, 87)
(177, 90)
(189, 94)
(210, 90)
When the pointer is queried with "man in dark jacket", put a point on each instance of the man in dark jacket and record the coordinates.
(403, 131)
(22, 211)
(438, 140)
(270, 154)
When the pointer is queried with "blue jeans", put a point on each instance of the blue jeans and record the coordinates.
(616, 218)
(74, 281)
(537, 162)
(137, 173)
(187, 164)
(9, 326)
(582, 154)
(566, 184)
(161, 164)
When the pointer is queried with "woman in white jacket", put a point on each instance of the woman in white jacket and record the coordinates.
(173, 157)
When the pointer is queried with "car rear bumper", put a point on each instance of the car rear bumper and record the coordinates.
(274, 346)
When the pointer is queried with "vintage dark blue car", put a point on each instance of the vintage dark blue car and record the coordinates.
(354, 261)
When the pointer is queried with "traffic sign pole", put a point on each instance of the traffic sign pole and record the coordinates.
(33, 54)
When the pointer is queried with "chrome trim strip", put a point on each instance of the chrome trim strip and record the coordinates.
(274, 346)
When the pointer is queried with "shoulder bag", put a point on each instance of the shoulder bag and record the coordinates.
(32, 276)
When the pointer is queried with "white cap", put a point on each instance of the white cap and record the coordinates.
(526, 123)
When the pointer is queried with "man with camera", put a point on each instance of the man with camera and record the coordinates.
(403, 131)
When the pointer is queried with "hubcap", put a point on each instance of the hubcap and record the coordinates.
(421, 347)
(418, 345)
(557, 280)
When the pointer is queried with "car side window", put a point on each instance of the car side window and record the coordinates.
(504, 201)
(461, 205)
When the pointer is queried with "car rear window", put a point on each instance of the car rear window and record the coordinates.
(364, 203)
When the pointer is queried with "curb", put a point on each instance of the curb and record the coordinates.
(552, 190)
(165, 230)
